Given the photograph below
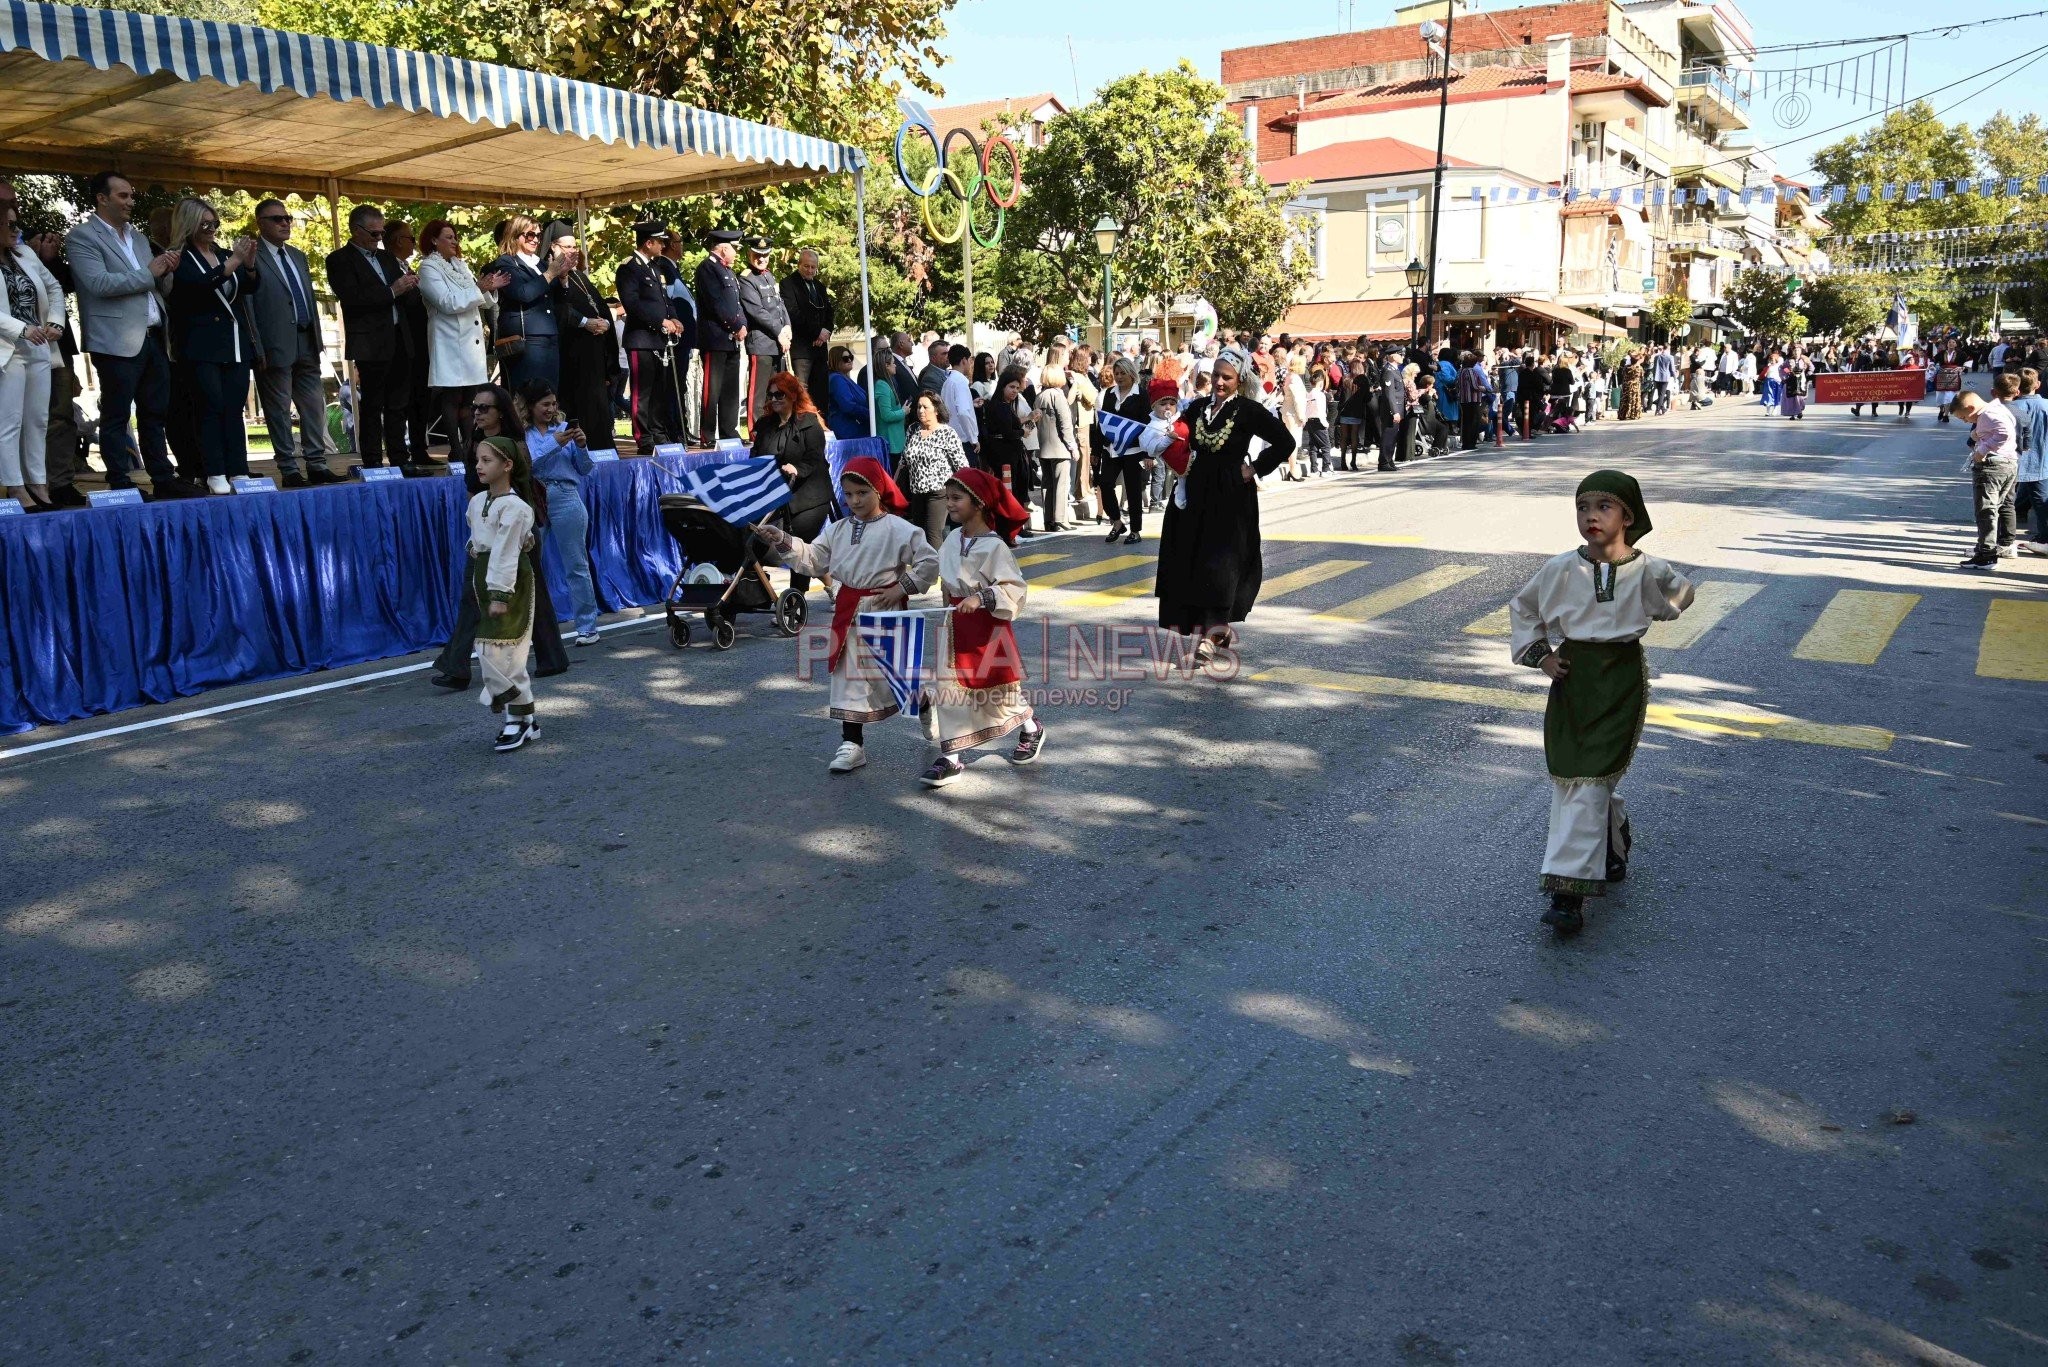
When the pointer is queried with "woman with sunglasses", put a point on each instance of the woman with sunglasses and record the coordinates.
(792, 434)
(211, 359)
(529, 341)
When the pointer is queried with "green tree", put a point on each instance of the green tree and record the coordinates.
(1765, 302)
(1671, 314)
(1841, 306)
(1151, 152)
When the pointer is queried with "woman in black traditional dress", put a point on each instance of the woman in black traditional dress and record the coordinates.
(589, 347)
(1209, 559)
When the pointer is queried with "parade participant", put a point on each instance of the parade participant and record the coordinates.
(1797, 377)
(1165, 438)
(501, 575)
(878, 560)
(1581, 621)
(1209, 559)
(979, 695)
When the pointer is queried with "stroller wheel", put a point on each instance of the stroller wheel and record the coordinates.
(723, 633)
(790, 612)
(678, 633)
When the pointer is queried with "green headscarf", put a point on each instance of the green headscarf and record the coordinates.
(1625, 488)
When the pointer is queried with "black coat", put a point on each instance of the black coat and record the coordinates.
(809, 305)
(202, 327)
(589, 359)
(1002, 441)
(1209, 554)
(367, 304)
(761, 303)
(799, 442)
(1393, 396)
(643, 291)
(1134, 407)
(719, 316)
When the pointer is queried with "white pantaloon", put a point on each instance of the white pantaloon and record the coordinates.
(1586, 818)
(507, 685)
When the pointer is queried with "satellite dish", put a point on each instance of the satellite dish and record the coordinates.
(1431, 31)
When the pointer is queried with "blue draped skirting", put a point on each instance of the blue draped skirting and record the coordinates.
(114, 607)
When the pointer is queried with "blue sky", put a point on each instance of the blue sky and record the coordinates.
(1001, 47)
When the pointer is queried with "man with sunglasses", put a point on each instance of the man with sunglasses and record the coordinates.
(721, 334)
(369, 282)
(286, 324)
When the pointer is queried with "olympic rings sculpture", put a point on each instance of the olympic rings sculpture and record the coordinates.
(978, 183)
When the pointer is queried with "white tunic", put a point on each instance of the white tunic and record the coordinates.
(1573, 599)
(983, 571)
(874, 556)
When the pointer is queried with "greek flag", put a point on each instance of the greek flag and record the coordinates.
(1123, 433)
(740, 491)
(901, 646)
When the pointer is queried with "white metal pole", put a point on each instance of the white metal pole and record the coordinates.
(867, 325)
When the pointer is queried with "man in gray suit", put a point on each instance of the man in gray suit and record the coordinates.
(287, 328)
(122, 316)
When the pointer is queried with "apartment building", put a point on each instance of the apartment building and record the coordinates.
(1583, 96)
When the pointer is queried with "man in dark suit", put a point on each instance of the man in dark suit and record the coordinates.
(400, 241)
(1393, 406)
(721, 333)
(810, 325)
(652, 335)
(285, 322)
(768, 332)
(369, 282)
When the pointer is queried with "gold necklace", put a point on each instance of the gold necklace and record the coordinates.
(1210, 438)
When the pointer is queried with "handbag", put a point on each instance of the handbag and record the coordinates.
(509, 345)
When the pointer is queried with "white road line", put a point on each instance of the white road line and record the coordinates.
(21, 751)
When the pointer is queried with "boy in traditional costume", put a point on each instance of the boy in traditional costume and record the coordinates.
(979, 694)
(878, 560)
(501, 574)
(1581, 621)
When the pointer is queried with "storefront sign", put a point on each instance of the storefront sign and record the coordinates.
(1871, 386)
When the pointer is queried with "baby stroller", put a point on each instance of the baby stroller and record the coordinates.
(722, 576)
(1561, 416)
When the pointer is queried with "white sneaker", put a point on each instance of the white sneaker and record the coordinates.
(2008, 552)
(587, 638)
(848, 757)
(218, 484)
(2034, 547)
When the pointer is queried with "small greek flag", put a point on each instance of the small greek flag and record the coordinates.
(740, 491)
(898, 643)
(1123, 433)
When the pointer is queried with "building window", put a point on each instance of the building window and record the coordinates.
(1314, 211)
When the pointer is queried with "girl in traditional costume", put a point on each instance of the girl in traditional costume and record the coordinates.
(501, 574)
(979, 695)
(1581, 621)
(1209, 558)
(878, 560)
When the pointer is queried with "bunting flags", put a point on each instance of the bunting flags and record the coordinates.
(1679, 196)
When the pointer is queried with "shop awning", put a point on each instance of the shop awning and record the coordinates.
(188, 101)
(1375, 318)
(1558, 313)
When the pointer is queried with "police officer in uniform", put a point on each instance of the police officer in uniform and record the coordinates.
(654, 338)
(768, 332)
(721, 332)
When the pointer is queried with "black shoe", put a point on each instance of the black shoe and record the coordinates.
(67, 496)
(516, 732)
(1565, 915)
(177, 488)
(1029, 743)
(292, 480)
(455, 683)
(1980, 561)
(323, 476)
(944, 771)
(1133, 539)
(1116, 531)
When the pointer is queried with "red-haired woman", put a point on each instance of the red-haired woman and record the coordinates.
(793, 435)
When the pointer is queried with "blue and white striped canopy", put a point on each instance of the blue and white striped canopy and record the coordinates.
(535, 137)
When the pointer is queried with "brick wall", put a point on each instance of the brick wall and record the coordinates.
(1481, 32)
(1274, 142)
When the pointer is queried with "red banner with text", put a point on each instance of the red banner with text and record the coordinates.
(1871, 386)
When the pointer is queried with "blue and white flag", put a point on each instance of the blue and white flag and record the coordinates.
(903, 647)
(1123, 433)
(740, 491)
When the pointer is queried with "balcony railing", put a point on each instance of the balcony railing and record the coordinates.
(1599, 282)
(1716, 80)
(1704, 235)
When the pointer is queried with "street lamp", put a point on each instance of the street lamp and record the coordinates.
(1107, 231)
(1415, 273)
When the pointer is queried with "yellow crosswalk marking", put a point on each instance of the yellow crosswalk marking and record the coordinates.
(1343, 539)
(1394, 596)
(1307, 577)
(1700, 721)
(1713, 600)
(1494, 623)
(1025, 562)
(1060, 578)
(2015, 644)
(1855, 627)
(1116, 593)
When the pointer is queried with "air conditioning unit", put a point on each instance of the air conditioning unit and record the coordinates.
(1589, 132)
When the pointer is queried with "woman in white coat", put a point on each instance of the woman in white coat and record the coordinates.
(458, 358)
(31, 324)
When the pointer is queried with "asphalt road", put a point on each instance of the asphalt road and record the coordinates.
(1227, 1034)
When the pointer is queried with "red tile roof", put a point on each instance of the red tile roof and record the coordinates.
(1485, 32)
(1598, 82)
(1480, 82)
(1359, 160)
(972, 116)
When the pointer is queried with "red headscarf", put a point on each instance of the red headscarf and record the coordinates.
(869, 471)
(999, 507)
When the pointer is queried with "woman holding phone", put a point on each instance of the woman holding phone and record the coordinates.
(561, 462)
